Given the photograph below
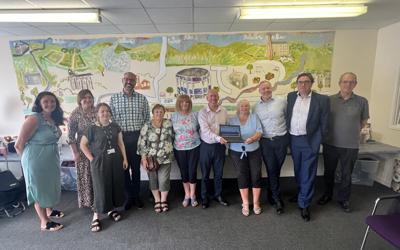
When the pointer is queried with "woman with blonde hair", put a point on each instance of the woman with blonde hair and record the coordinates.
(186, 146)
(246, 156)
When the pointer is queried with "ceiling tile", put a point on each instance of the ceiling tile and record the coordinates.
(63, 30)
(142, 29)
(112, 4)
(99, 28)
(165, 16)
(215, 15)
(26, 31)
(12, 25)
(59, 3)
(166, 3)
(15, 4)
(288, 25)
(127, 16)
(211, 27)
(175, 28)
(250, 25)
(5, 33)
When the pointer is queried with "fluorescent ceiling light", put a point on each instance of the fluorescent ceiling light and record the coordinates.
(51, 16)
(302, 11)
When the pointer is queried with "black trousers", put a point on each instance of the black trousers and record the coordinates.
(187, 161)
(248, 169)
(347, 157)
(211, 155)
(274, 152)
(132, 174)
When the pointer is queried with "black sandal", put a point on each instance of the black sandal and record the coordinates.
(95, 226)
(52, 226)
(56, 214)
(114, 215)
(164, 206)
(157, 207)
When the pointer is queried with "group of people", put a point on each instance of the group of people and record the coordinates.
(110, 143)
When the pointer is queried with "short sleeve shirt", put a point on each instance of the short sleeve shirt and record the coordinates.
(345, 120)
(186, 129)
(247, 130)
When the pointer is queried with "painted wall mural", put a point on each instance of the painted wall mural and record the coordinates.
(167, 66)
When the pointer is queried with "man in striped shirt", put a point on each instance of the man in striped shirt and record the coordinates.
(131, 111)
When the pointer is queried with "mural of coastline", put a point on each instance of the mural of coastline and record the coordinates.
(167, 66)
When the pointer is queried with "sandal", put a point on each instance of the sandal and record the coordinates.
(245, 210)
(95, 226)
(164, 206)
(194, 202)
(52, 226)
(185, 202)
(157, 207)
(257, 210)
(115, 216)
(56, 214)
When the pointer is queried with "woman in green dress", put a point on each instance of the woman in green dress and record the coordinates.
(37, 145)
(103, 145)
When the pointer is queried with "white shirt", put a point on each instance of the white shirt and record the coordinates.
(298, 124)
(209, 123)
(272, 116)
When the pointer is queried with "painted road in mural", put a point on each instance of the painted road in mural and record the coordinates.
(167, 66)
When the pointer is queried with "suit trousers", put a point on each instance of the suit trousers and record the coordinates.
(132, 174)
(211, 155)
(305, 161)
(274, 152)
(347, 158)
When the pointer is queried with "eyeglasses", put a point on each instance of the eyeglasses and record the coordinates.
(303, 82)
(130, 79)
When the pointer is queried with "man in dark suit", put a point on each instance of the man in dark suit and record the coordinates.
(307, 122)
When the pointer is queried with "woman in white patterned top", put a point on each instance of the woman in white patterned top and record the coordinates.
(155, 140)
(186, 146)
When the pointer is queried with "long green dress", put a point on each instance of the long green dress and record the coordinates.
(106, 169)
(41, 165)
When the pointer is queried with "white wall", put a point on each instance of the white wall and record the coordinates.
(386, 75)
(354, 51)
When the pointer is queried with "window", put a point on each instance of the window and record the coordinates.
(395, 121)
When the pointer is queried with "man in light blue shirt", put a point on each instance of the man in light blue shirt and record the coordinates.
(275, 140)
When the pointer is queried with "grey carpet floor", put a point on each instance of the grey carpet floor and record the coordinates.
(217, 227)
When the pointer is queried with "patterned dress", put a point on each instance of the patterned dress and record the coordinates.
(79, 121)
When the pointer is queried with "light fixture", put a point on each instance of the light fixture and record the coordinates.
(302, 11)
(51, 15)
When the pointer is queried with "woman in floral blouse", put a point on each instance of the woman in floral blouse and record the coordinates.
(186, 146)
(156, 140)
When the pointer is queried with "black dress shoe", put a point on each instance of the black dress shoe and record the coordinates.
(293, 199)
(324, 199)
(279, 207)
(221, 201)
(205, 203)
(345, 205)
(305, 214)
(139, 203)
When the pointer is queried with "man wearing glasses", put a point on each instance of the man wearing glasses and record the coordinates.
(349, 113)
(307, 123)
(130, 111)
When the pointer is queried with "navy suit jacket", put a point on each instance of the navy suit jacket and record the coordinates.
(317, 120)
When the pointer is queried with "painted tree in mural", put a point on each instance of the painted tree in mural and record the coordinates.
(169, 90)
(250, 67)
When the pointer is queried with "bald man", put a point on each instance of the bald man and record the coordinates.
(349, 113)
(212, 147)
(275, 140)
(130, 110)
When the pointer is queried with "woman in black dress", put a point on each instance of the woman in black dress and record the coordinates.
(102, 144)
